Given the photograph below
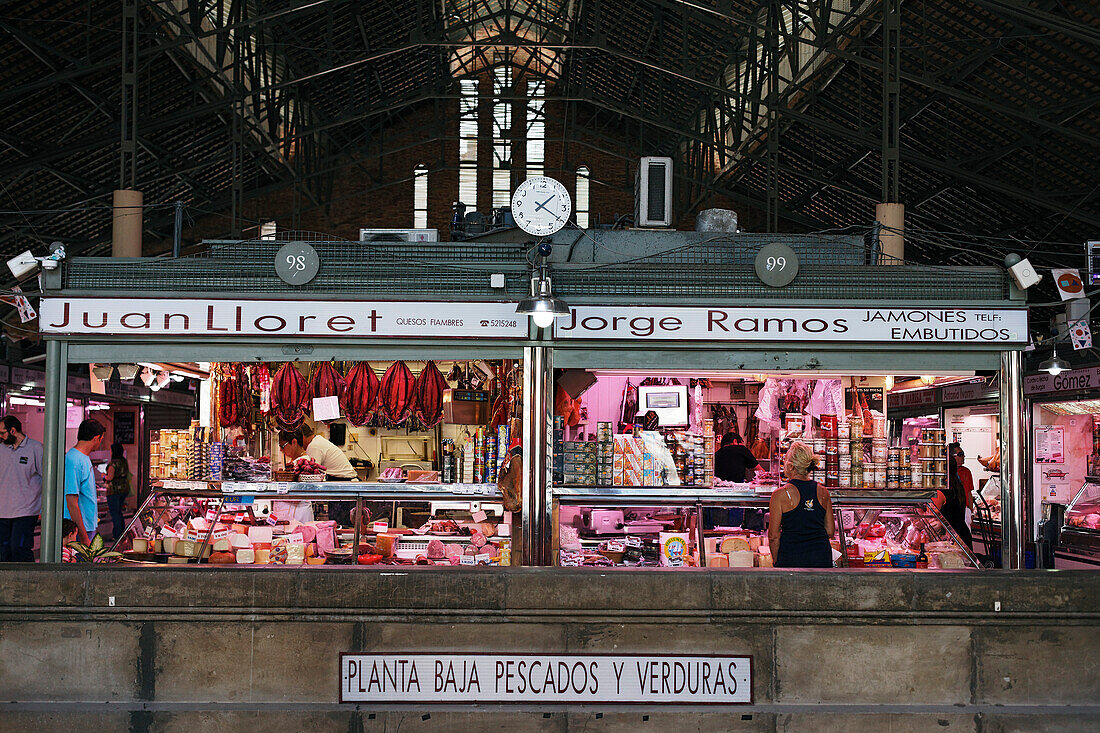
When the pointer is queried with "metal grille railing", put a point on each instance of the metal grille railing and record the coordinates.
(715, 268)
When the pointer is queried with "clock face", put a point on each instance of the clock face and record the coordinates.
(541, 206)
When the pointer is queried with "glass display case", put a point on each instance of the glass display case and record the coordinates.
(1080, 534)
(326, 523)
(693, 527)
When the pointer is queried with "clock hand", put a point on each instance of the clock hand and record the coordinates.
(544, 203)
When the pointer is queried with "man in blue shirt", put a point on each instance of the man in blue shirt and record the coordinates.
(81, 504)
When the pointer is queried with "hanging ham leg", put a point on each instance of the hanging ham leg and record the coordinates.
(360, 396)
(325, 381)
(397, 397)
(428, 390)
(289, 396)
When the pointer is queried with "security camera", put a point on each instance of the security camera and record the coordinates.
(1022, 271)
(26, 264)
(23, 265)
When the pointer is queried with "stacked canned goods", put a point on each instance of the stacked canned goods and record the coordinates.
(819, 460)
(479, 456)
(448, 474)
(605, 454)
(933, 458)
(491, 459)
(829, 432)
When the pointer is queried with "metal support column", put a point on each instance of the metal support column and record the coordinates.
(127, 175)
(538, 404)
(1013, 451)
(891, 99)
(53, 451)
(772, 167)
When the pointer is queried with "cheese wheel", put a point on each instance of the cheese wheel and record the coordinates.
(246, 556)
(177, 560)
(742, 558)
(754, 543)
(221, 545)
(186, 548)
(239, 541)
(734, 544)
(263, 556)
(141, 544)
(766, 561)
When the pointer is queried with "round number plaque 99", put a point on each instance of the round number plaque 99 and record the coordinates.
(297, 263)
(776, 265)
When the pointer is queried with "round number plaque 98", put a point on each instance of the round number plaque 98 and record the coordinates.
(776, 265)
(297, 263)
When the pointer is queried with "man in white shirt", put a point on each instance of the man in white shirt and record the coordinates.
(337, 466)
(20, 491)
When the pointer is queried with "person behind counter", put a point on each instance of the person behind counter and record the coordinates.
(801, 515)
(292, 444)
(732, 462)
(337, 468)
(959, 494)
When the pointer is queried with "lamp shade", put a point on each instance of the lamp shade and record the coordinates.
(1054, 365)
(542, 306)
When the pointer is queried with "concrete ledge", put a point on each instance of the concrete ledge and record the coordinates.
(214, 649)
(1068, 594)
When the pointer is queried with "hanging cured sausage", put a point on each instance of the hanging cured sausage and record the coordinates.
(289, 396)
(429, 395)
(233, 397)
(397, 397)
(360, 397)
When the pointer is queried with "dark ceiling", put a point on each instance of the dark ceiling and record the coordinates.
(998, 106)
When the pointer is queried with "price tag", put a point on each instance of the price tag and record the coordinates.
(272, 519)
(282, 487)
(220, 534)
(211, 515)
(296, 537)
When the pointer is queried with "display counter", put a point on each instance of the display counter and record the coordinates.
(238, 523)
(674, 527)
(1080, 536)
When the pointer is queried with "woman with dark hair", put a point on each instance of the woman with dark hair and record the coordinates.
(734, 462)
(118, 487)
(954, 500)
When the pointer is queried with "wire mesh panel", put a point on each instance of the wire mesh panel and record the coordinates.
(713, 268)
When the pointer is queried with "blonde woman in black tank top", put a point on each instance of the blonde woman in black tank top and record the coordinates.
(801, 520)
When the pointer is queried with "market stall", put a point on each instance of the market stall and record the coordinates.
(1064, 412)
(771, 375)
(326, 427)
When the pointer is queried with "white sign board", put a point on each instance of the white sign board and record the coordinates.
(312, 318)
(1049, 444)
(545, 678)
(975, 326)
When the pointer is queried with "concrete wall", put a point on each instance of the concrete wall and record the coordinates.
(213, 650)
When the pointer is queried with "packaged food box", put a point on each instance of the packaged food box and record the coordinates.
(579, 446)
